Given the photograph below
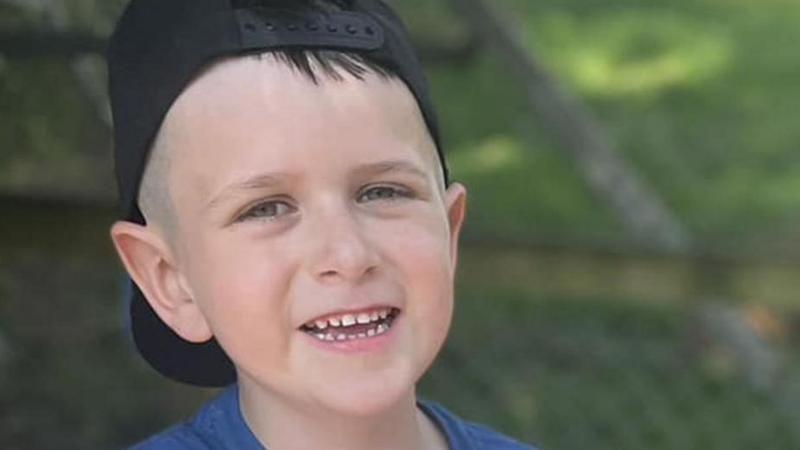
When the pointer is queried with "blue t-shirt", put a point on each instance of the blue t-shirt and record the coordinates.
(219, 425)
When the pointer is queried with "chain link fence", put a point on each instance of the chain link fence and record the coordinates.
(581, 374)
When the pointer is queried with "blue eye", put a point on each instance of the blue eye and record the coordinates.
(388, 193)
(269, 210)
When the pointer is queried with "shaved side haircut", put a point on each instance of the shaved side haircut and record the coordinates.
(154, 198)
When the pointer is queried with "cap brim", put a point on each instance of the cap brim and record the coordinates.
(204, 364)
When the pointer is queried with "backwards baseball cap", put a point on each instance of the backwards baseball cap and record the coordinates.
(159, 46)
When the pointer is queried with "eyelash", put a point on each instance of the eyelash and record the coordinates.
(397, 193)
(253, 213)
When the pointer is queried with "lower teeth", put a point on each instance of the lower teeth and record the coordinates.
(329, 337)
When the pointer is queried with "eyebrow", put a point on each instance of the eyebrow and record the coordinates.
(266, 180)
(392, 165)
(260, 181)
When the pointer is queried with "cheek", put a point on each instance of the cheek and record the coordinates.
(241, 292)
(423, 257)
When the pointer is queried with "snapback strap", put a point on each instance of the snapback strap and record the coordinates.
(265, 28)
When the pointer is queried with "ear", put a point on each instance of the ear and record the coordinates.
(456, 204)
(151, 265)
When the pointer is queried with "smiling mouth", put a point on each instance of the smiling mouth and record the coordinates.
(352, 326)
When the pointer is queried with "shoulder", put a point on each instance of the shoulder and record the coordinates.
(179, 437)
(207, 430)
(490, 439)
(465, 435)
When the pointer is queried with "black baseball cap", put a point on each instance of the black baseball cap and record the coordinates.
(159, 46)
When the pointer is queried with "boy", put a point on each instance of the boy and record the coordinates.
(288, 222)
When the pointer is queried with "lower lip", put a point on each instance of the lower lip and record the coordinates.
(359, 345)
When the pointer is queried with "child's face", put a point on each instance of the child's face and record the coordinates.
(295, 202)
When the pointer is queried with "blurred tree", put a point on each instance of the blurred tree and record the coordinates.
(53, 77)
(638, 207)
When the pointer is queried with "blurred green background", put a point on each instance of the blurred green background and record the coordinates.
(578, 326)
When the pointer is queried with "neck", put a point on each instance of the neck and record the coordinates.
(281, 425)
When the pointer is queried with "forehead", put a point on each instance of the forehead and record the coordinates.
(249, 114)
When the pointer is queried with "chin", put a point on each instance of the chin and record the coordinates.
(368, 395)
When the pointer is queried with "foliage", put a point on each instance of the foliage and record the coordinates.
(699, 94)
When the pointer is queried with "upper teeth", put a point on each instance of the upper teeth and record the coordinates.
(346, 320)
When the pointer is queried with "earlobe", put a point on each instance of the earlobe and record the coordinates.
(456, 202)
(149, 262)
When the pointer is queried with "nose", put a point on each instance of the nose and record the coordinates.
(341, 248)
